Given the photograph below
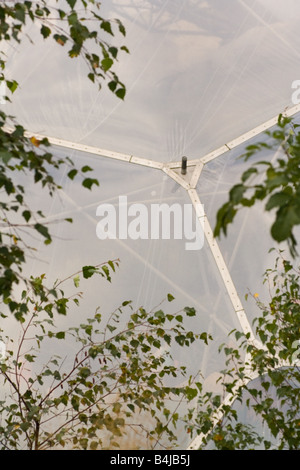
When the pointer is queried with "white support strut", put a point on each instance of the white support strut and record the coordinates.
(223, 270)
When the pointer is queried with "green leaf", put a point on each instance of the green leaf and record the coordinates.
(72, 174)
(106, 272)
(73, 18)
(12, 85)
(84, 443)
(27, 215)
(121, 92)
(89, 271)
(106, 63)
(275, 179)
(60, 39)
(84, 372)
(204, 337)
(121, 27)
(75, 402)
(278, 200)
(88, 329)
(191, 312)
(225, 216)
(170, 297)
(5, 156)
(45, 31)
(20, 12)
(61, 305)
(180, 339)
(60, 335)
(134, 343)
(112, 85)
(86, 168)
(56, 375)
(25, 426)
(246, 175)
(71, 3)
(76, 281)
(159, 314)
(62, 14)
(237, 192)
(113, 51)
(43, 231)
(29, 357)
(286, 218)
(111, 264)
(167, 339)
(88, 183)
(107, 27)
(191, 393)
(39, 12)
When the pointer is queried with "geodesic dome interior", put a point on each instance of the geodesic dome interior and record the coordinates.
(204, 79)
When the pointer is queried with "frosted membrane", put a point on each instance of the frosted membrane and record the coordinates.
(199, 74)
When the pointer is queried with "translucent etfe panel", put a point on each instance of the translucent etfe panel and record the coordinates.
(248, 241)
(199, 74)
(149, 268)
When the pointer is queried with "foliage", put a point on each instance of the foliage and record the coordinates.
(89, 399)
(280, 186)
(262, 379)
(79, 28)
(266, 384)
(75, 24)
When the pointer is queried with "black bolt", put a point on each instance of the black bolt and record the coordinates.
(183, 165)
